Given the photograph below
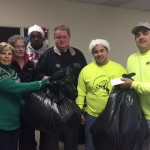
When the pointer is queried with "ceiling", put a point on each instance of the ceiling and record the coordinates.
(143, 5)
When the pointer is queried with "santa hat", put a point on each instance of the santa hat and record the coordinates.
(96, 42)
(44, 29)
(37, 29)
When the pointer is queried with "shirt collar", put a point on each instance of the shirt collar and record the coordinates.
(72, 51)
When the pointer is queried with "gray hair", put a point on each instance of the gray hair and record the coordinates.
(13, 39)
(62, 28)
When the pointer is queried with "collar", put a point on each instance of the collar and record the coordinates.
(26, 58)
(72, 51)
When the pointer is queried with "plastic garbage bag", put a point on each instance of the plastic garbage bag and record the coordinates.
(52, 109)
(121, 126)
(146, 145)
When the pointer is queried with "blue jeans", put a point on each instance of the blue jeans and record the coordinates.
(89, 120)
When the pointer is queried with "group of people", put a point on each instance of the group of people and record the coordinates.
(26, 67)
(24, 64)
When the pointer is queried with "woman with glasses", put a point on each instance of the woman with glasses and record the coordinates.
(20, 62)
(24, 68)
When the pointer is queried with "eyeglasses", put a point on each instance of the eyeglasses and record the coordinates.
(19, 47)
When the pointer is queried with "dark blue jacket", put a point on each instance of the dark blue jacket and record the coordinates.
(53, 60)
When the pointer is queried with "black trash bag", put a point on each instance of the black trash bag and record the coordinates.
(146, 145)
(81, 134)
(52, 109)
(64, 78)
(121, 126)
(63, 73)
(65, 88)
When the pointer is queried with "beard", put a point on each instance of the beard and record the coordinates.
(37, 46)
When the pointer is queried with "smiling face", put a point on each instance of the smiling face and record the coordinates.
(100, 54)
(6, 56)
(142, 39)
(19, 48)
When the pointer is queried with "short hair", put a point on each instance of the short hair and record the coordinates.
(13, 39)
(62, 28)
(4, 46)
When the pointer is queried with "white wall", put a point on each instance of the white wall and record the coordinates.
(85, 21)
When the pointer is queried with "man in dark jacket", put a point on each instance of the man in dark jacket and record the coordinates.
(54, 59)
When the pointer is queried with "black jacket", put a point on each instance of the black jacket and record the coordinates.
(26, 73)
(53, 60)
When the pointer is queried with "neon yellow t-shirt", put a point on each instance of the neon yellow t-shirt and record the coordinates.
(139, 63)
(94, 85)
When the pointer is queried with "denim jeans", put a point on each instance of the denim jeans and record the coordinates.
(89, 120)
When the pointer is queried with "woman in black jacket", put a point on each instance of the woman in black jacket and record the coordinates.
(24, 67)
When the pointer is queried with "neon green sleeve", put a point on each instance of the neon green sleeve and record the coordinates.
(81, 91)
(141, 87)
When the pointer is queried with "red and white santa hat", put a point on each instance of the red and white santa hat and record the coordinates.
(96, 42)
(36, 28)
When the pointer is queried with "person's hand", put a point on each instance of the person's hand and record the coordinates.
(45, 77)
(82, 119)
(44, 81)
(127, 83)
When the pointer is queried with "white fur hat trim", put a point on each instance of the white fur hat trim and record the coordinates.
(35, 28)
(96, 42)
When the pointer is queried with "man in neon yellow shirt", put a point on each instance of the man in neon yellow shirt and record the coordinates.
(139, 63)
(94, 85)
